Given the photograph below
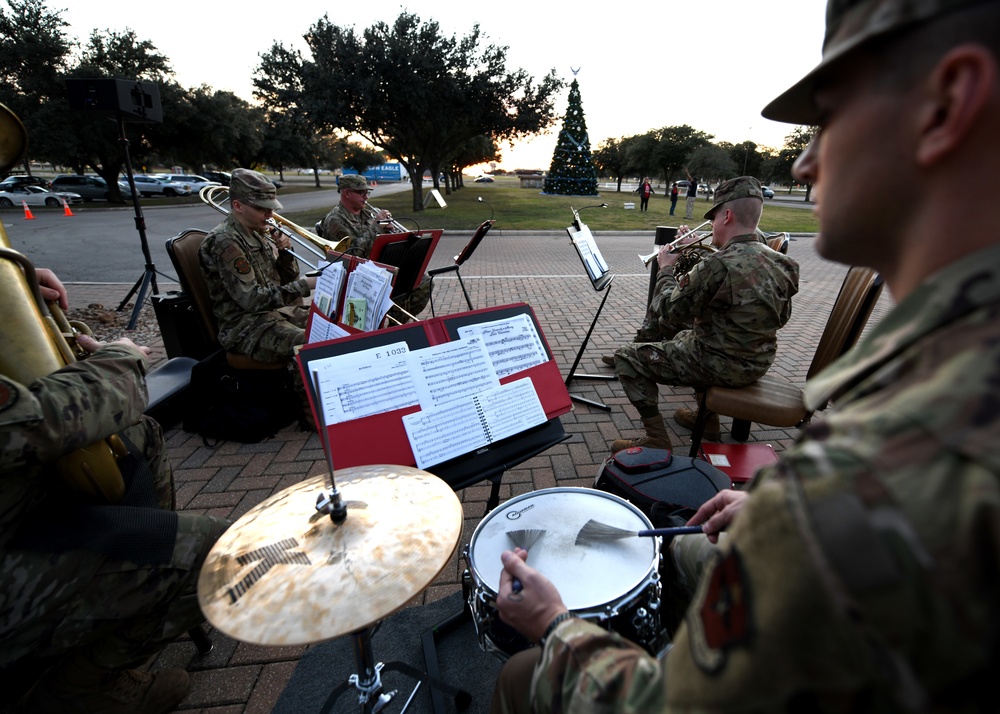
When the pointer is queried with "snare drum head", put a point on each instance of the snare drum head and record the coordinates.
(587, 576)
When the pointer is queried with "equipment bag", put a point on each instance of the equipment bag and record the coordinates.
(667, 488)
(245, 405)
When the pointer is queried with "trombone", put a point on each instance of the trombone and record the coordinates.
(318, 246)
(647, 259)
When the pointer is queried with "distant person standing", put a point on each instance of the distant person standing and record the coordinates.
(674, 192)
(645, 190)
(692, 194)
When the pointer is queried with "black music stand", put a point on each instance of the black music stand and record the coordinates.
(601, 278)
(410, 252)
(466, 253)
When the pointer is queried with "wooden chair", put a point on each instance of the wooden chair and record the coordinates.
(775, 401)
(183, 251)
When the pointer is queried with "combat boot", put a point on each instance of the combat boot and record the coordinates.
(131, 691)
(608, 360)
(656, 436)
(687, 417)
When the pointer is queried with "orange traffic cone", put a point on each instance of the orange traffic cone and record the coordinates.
(66, 211)
(27, 212)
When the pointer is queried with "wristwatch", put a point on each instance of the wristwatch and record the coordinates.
(558, 620)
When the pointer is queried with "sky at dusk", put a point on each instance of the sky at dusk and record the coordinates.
(642, 66)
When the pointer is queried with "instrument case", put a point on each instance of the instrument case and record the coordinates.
(659, 482)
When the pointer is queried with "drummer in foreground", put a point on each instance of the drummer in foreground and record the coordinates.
(862, 571)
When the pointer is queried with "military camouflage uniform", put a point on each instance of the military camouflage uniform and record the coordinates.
(255, 296)
(734, 300)
(64, 588)
(363, 229)
(863, 574)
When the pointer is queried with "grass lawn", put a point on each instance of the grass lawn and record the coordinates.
(515, 208)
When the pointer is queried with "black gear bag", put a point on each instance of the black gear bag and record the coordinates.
(667, 488)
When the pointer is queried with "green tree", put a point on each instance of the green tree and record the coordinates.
(572, 171)
(675, 147)
(610, 160)
(795, 143)
(417, 94)
(640, 152)
(34, 52)
(712, 163)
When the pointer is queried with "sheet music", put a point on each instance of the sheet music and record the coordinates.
(374, 284)
(583, 240)
(322, 329)
(513, 343)
(363, 383)
(451, 370)
(329, 286)
(462, 426)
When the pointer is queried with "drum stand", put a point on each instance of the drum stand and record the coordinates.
(371, 697)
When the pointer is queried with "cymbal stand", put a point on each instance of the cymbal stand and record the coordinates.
(368, 681)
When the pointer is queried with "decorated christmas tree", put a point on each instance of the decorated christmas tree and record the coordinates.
(572, 171)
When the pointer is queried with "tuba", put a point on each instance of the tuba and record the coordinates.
(33, 345)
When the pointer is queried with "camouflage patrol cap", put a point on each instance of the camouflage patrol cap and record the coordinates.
(742, 187)
(353, 182)
(251, 187)
(851, 24)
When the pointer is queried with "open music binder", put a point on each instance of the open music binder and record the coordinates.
(525, 407)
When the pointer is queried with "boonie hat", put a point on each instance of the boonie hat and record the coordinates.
(850, 24)
(742, 187)
(353, 182)
(253, 188)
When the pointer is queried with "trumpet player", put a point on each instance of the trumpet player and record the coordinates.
(355, 218)
(717, 323)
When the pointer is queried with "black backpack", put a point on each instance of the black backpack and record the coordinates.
(666, 487)
(245, 405)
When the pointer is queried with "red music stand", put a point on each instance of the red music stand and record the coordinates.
(410, 252)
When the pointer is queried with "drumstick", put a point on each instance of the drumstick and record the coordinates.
(595, 531)
(523, 539)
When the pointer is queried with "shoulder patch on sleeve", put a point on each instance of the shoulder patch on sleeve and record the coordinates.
(8, 394)
(720, 616)
(683, 281)
(242, 266)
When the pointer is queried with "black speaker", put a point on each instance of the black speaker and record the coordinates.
(134, 100)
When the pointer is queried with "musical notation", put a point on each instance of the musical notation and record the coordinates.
(513, 344)
(461, 426)
(379, 382)
(452, 370)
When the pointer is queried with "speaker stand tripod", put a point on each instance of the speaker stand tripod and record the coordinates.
(372, 697)
(149, 275)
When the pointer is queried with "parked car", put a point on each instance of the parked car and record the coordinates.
(155, 186)
(484, 179)
(767, 191)
(682, 187)
(89, 187)
(222, 177)
(197, 183)
(21, 180)
(705, 188)
(35, 196)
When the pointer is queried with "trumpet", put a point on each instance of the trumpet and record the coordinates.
(672, 247)
(318, 246)
(373, 212)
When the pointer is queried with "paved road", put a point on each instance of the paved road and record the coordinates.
(99, 244)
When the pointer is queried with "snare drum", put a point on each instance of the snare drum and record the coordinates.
(615, 584)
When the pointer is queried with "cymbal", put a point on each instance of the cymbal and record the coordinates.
(284, 574)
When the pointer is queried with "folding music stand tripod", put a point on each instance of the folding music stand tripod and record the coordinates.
(466, 253)
(601, 278)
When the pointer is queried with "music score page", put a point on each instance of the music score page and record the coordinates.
(513, 343)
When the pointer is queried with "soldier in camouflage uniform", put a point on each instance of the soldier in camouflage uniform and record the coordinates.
(90, 592)
(254, 284)
(349, 219)
(862, 572)
(734, 300)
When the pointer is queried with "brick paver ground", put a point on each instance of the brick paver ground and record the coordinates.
(541, 269)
